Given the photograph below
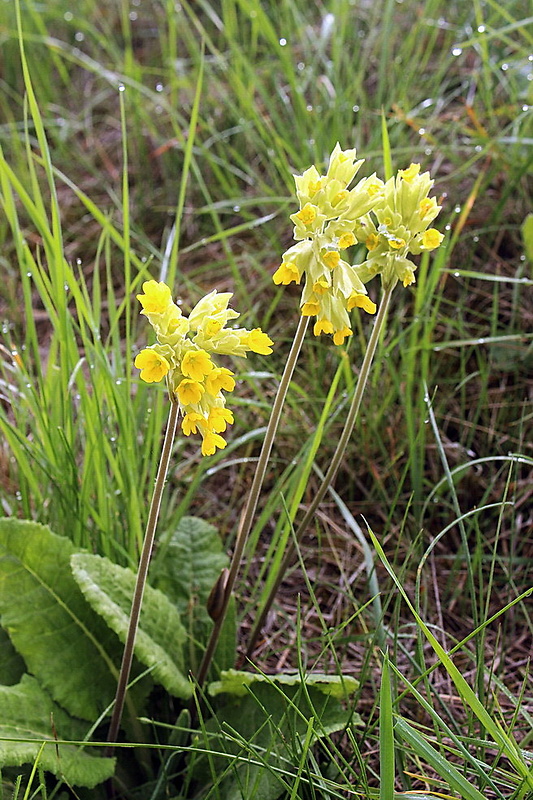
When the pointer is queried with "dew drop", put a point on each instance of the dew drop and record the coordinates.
(504, 67)
(421, 131)
(300, 66)
(481, 29)
(456, 51)
(133, 15)
(355, 109)
(159, 87)
(68, 16)
(18, 495)
(79, 36)
(475, 238)
(309, 107)
(282, 42)
(121, 87)
(456, 274)
(457, 209)
(236, 209)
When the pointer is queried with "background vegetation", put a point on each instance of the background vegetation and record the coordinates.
(160, 141)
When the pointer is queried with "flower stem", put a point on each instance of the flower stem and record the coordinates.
(253, 497)
(334, 465)
(142, 573)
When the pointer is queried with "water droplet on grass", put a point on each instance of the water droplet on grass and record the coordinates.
(456, 51)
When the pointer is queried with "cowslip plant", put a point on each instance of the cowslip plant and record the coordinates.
(182, 355)
(394, 224)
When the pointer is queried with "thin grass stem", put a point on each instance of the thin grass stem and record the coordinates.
(253, 497)
(142, 573)
(335, 461)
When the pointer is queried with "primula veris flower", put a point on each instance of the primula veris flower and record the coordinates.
(196, 364)
(189, 392)
(152, 364)
(211, 442)
(183, 354)
(325, 227)
(220, 378)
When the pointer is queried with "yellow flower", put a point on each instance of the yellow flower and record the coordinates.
(218, 379)
(331, 258)
(191, 422)
(286, 273)
(431, 239)
(310, 308)
(372, 241)
(196, 364)
(189, 392)
(426, 205)
(320, 287)
(361, 301)
(410, 173)
(259, 342)
(307, 214)
(152, 364)
(219, 418)
(211, 442)
(396, 242)
(322, 326)
(346, 240)
(340, 336)
(156, 298)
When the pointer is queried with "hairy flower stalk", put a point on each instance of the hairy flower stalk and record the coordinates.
(393, 226)
(182, 355)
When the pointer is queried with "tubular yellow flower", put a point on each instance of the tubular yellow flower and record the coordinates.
(307, 214)
(347, 240)
(189, 392)
(431, 239)
(340, 336)
(310, 308)
(331, 258)
(218, 379)
(259, 342)
(191, 422)
(219, 418)
(210, 443)
(196, 364)
(361, 301)
(322, 326)
(410, 173)
(156, 298)
(152, 364)
(286, 273)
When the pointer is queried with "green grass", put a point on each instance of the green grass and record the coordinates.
(186, 175)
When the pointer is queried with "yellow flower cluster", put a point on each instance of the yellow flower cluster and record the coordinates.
(333, 217)
(402, 216)
(182, 355)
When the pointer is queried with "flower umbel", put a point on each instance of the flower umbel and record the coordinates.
(390, 219)
(324, 227)
(182, 355)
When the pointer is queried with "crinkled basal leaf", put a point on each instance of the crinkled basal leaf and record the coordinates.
(65, 644)
(159, 641)
(269, 725)
(26, 712)
(235, 681)
(186, 569)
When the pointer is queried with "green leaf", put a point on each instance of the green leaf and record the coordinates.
(235, 682)
(26, 713)
(68, 648)
(527, 236)
(159, 641)
(186, 569)
(11, 664)
(268, 728)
